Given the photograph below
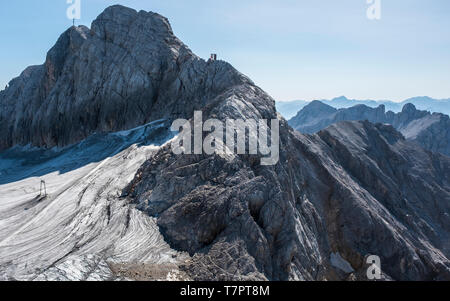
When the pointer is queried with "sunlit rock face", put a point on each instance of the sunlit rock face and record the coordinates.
(122, 203)
(127, 70)
(430, 130)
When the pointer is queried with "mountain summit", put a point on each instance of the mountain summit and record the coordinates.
(127, 70)
(432, 131)
(121, 204)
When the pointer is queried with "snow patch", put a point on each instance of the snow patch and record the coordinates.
(84, 223)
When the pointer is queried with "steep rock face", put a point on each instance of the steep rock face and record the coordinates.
(353, 190)
(127, 70)
(431, 131)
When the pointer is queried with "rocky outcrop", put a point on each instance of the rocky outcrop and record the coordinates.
(431, 131)
(353, 190)
(127, 70)
(290, 108)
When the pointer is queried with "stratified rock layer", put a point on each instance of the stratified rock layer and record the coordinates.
(431, 131)
(353, 190)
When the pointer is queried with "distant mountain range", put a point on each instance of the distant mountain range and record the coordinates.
(121, 203)
(430, 130)
(289, 108)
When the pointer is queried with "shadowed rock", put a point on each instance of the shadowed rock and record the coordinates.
(127, 70)
(431, 131)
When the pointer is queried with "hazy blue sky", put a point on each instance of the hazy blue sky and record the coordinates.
(293, 49)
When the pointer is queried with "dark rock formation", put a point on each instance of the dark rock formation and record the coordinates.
(355, 189)
(352, 190)
(431, 131)
(127, 70)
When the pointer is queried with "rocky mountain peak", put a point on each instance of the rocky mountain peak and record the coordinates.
(432, 131)
(127, 70)
(409, 108)
(349, 191)
(316, 104)
(382, 108)
(67, 45)
(314, 109)
(340, 98)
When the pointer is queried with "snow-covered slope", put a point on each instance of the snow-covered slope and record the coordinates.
(83, 227)
(334, 198)
(430, 130)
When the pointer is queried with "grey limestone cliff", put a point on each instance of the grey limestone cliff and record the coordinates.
(352, 190)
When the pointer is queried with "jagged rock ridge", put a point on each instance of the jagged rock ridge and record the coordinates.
(353, 190)
(127, 70)
(424, 103)
(431, 131)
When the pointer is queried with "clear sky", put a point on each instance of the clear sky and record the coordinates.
(293, 49)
